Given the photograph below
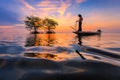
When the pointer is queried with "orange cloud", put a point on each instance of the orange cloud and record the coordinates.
(47, 3)
(47, 7)
(80, 1)
(6, 27)
(63, 7)
(53, 6)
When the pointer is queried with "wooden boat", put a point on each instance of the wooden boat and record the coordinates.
(87, 33)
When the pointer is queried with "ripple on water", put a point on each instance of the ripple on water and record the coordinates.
(11, 49)
(43, 69)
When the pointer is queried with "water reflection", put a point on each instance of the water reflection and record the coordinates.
(40, 40)
(84, 38)
(50, 56)
(43, 55)
(50, 46)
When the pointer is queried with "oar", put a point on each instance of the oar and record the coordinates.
(80, 55)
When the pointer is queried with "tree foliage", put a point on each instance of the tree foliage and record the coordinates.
(50, 24)
(34, 23)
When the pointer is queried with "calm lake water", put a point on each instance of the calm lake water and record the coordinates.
(25, 56)
(19, 42)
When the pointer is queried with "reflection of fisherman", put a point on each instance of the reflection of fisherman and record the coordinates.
(80, 22)
(80, 40)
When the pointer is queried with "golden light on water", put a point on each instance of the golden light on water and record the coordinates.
(41, 40)
(51, 56)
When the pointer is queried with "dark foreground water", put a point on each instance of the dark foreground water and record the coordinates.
(25, 56)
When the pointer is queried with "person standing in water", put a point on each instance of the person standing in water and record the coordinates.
(80, 22)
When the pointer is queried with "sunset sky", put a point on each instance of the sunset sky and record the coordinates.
(97, 14)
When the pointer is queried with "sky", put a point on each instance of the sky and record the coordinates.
(97, 14)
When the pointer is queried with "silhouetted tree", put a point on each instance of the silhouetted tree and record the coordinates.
(33, 23)
(49, 24)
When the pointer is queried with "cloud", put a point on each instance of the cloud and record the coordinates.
(63, 7)
(48, 7)
(5, 27)
(55, 6)
(80, 1)
(26, 5)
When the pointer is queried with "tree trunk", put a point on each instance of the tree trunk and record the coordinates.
(48, 28)
(35, 30)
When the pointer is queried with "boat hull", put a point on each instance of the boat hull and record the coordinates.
(85, 33)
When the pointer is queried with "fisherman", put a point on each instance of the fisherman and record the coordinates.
(99, 30)
(80, 22)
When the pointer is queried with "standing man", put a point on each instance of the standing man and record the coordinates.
(80, 22)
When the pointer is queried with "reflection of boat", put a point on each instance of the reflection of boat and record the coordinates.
(81, 38)
(96, 48)
(87, 33)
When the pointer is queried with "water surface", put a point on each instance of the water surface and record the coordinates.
(35, 56)
(19, 42)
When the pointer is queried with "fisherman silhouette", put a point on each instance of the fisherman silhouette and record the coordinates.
(99, 30)
(80, 22)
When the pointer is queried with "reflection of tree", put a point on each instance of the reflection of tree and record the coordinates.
(50, 56)
(50, 39)
(40, 40)
(41, 55)
(31, 40)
